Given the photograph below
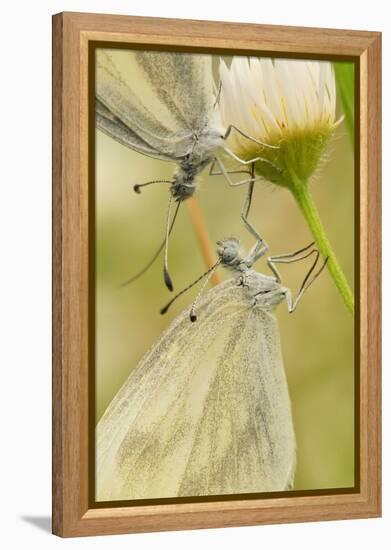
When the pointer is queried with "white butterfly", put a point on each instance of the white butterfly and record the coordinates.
(207, 410)
(163, 105)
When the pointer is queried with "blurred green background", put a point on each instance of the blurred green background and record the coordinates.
(317, 340)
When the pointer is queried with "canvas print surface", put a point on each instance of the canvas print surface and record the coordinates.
(224, 275)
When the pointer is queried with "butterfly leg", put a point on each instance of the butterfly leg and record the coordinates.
(307, 282)
(289, 258)
(226, 173)
(253, 160)
(231, 127)
(260, 247)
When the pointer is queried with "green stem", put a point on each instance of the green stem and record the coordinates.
(307, 206)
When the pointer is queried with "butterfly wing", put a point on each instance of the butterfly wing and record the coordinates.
(113, 127)
(122, 90)
(245, 440)
(183, 83)
(206, 411)
(160, 97)
(149, 394)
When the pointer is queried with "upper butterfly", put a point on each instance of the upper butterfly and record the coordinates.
(163, 105)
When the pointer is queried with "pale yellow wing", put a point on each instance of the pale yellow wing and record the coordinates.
(153, 102)
(206, 411)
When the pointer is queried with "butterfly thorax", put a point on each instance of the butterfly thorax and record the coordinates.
(206, 141)
(201, 152)
(183, 182)
(263, 290)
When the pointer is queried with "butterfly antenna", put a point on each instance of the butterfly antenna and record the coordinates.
(193, 316)
(209, 272)
(138, 186)
(155, 256)
(166, 275)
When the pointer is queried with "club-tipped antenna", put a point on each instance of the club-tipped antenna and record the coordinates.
(193, 316)
(155, 256)
(138, 186)
(209, 272)
(166, 275)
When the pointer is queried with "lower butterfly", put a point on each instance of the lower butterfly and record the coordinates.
(207, 410)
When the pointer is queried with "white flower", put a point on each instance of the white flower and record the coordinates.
(282, 102)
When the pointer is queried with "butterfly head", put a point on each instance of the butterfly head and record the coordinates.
(229, 252)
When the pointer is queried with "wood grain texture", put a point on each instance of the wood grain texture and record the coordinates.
(372, 259)
(212, 34)
(72, 32)
(57, 435)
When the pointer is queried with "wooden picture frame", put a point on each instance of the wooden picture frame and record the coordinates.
(73, 513)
